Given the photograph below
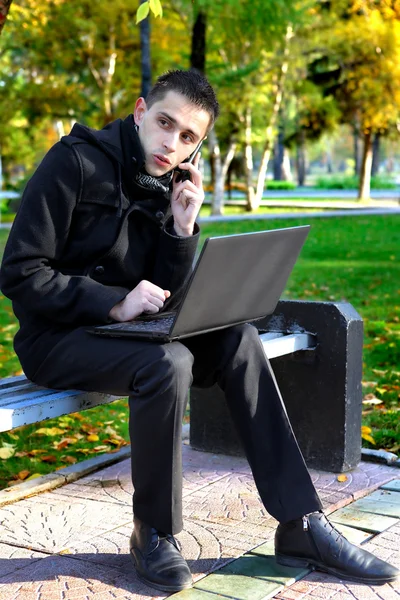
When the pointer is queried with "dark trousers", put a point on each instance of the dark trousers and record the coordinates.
(157, 377)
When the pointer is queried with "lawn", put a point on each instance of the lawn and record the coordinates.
(352, 259)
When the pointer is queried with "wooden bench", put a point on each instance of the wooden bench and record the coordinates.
(23, 402)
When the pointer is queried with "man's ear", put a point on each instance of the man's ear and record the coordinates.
(140, 110)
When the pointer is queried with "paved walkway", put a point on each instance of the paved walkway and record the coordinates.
(71, 543)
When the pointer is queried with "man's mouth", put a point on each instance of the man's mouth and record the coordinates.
(162, 160)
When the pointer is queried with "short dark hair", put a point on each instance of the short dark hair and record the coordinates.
(192, 84)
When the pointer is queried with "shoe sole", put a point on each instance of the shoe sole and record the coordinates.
(158, 586)
(292, 561)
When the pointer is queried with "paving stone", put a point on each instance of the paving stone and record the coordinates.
(359, 482)
(233, 497)
(195, 594)
(381, 502)
(49, 522)
(333, 500)
(366, 521)
(238, 587)
(57, 577)
(220, 463)
(355, 536)
(13, 558)
(393, 485)
(114, 484)
(264, 567)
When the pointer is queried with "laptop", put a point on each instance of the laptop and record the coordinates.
(237, 278)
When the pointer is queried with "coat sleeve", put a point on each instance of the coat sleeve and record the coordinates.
(37, 242)
(174, 262)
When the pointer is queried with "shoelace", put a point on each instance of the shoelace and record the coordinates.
(332, 528)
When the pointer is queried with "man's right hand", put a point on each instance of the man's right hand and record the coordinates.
(144, 298)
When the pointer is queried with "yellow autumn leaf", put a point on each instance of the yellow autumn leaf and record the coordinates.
(93, 438)
(368, 438)
(6, 453)
(23, 474)
(342, 477)
(34, 476)
(49, 431)
(365, 429)
(381, 390)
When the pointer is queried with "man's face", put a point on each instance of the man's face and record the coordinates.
(169, 131)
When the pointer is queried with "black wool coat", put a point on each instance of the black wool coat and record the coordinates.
(85, 235)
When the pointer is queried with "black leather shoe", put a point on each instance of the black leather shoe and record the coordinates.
(313, 541)
(158, 560)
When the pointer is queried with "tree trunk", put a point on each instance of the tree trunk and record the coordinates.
(217, 200)
(301, 157)
(221, 171)
(4, 8)
(248, 153)
(262, 171)
(375, 154)
(364, 189)
(279, 153)
(198, 51)
(145, 60)
(356, 150)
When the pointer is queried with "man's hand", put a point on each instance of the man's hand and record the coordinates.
(187, 198)
(145, 297)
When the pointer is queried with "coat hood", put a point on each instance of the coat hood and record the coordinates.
(119, 140)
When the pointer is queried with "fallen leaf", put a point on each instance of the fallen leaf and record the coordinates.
(93, 438)
(381, 390)
(368, 438)
(365, 429)
(34, 476)
(101, 448)
(6, 453)
(36, 452)
(110, 431)
(342, 477)
(23, 474)
(372, 400)
(69, 459)
(77, 416)
(50, 458)
(51, 431)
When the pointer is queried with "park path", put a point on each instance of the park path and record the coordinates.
(71, 543)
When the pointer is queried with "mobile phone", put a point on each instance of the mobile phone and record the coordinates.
(184, 175)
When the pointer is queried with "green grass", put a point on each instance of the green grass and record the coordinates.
(352, 259)
(350, 182)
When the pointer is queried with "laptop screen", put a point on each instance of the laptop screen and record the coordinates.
(239, 278)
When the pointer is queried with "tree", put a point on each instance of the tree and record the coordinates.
(358, 63)
(4, 8)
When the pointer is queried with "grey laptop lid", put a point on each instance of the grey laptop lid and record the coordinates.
(239, 278)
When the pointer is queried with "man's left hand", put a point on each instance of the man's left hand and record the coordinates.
(187, 198)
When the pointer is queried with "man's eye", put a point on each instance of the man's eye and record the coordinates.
(187, 138)
(163, 122)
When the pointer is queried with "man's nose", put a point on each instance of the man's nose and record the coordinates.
(170, 142)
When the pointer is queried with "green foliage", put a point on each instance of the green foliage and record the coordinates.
(280, 185)
(385, 426)
(350, 182)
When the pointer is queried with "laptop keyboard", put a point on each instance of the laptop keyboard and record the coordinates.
(162, 324)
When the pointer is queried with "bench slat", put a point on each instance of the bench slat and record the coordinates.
(22, 402)
(55, 404)
(286, 344)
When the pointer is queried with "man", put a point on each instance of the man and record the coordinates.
(106, 232)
